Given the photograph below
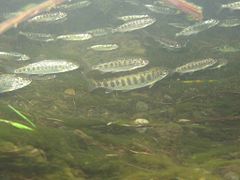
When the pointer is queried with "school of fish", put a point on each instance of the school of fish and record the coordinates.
(122, 73)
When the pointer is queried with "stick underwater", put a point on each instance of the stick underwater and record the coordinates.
(15, 21)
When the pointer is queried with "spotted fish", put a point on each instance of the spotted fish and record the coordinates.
(198, 27)
(132, 81)
(75, 5)
(233, 5)
(49, 17)
(196, 66)
(11, 82)
(100, 31)
(133, 17)
(75, 37)
(125, 64)
(161, 9)
(13, 56)
(230, 22)
(135, 25)
(38, 36)
(47, 67)
(103, 47)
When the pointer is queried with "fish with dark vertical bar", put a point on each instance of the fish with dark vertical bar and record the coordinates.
(103, 47)
(74, 5)
(135, 25)
(196, 66)
(132, 17)
(125, 64)
(49, 17)
(38, 36)
(131, 81)
(75, 37)
(47, 67)
(13, 56)
(198, 27)
(232, 6)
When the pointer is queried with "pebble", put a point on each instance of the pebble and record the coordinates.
(141, 121)
(70, 92)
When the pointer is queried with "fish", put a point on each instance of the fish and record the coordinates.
(132, 17)
(198, 81)
(75, 5)
(47, 67)
(135, 25)
(132, 81)
(75, 37)
(38, 36)
(232, 6)
(120, 65)
(170, 44)
(100, 31)
(13, 56)
(11, 82)
(179, 25)
(161, 9)
(227, 49)
(104, 47)
(196, 66)
(49, 17)
(229, 22)
(198, 27)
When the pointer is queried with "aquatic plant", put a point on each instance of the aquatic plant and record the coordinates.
(22, 115)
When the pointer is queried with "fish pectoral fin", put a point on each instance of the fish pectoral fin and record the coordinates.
(107, 91)
(151, 85)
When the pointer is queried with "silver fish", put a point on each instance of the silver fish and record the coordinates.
(13, 56)
(198, 27)
(75, 5)
(170, 44)
(100, 31)
(10, 82)
(47, 67)
(104, 47)
(49, 17)
(196, 66)
(227, 49)
(132, 81)
(161, 9)
(233, 6)
(38, 36)
(125, 64)
(132, 17)
(179, 25)
(135, 25)
(75, 37)
(229, 23)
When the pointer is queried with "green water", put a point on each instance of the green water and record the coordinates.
(92, 135)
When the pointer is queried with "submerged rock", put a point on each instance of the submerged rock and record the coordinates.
(231, 176)
(70, 92)
(141, 121)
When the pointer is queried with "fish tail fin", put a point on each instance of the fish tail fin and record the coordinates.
(91, 84)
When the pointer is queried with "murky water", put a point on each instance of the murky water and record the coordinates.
(192, 121)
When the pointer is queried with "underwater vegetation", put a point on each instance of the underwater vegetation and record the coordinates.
(185, 127)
